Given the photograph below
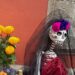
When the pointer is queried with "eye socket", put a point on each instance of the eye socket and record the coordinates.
(59, 33)
(65, 34)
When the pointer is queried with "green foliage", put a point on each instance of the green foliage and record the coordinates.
(5, 60)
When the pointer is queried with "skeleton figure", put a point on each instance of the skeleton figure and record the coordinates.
(51, 63)
(46, 60)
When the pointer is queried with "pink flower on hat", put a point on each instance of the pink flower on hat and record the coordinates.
(56, 26)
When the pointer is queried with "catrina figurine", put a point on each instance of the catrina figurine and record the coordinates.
(48, 48)
(48, 62)
(51, 64)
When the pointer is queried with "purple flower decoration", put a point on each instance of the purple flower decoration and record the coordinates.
(60, 25)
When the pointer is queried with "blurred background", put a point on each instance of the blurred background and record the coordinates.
(25, 16)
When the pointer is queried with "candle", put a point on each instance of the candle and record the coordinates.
(20, 72)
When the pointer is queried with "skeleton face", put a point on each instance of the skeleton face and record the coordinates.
(58, 37)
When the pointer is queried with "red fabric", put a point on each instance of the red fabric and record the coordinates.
(53, 67)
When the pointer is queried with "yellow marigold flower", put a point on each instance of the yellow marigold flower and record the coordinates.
(1, 29)
(8, 29)
(13, 40)
(3, 73)
(9, 50)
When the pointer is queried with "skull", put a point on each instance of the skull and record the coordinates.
(58, 37)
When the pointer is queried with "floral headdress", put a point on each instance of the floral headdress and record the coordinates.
(60, 25)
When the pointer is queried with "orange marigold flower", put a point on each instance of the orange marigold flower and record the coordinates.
(0, 32)
(13, 40)
(8, 29)
(9, 50)
(3, 73)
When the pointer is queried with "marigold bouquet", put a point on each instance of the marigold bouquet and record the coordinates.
(7, 46)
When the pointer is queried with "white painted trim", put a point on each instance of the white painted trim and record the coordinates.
(17, 67)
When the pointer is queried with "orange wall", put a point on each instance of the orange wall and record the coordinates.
(25, 15)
